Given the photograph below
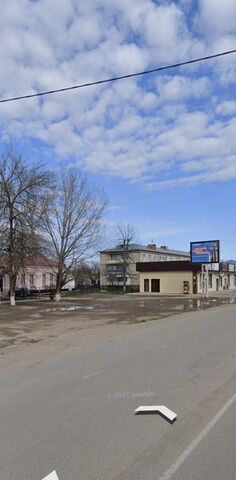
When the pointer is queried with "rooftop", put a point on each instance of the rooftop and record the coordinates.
(36, 261)
(174, 266)
(136, 247)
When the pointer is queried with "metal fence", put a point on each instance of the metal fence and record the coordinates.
(119, 289)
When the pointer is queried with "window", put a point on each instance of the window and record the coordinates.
(23, 280)
(44, 279)
(32, 282)
(146, 285)
(51, 280)
(235, 280)
(210, 281)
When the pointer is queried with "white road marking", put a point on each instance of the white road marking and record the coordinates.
(51, 476)
(90, 375)
(186, 453)
(166, 412)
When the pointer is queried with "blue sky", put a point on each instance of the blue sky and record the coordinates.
(162, 146)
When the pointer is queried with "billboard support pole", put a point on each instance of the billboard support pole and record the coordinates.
(207, 279)
(203, 280)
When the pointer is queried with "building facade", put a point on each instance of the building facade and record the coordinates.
(183, 277)
(111, 273)
(39, 273)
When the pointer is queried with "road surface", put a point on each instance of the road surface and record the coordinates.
(73, 410)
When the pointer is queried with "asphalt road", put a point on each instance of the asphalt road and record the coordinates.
(72, 410)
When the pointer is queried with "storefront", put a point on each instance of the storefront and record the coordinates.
(183, 277)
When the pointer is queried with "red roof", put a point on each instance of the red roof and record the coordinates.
(40, 261)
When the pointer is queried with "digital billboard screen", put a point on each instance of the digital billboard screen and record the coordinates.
(205, 252)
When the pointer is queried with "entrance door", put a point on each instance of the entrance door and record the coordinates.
(1, 284)
(155, 285)
(146, 285)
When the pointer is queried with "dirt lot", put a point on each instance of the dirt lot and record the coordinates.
(43, 321)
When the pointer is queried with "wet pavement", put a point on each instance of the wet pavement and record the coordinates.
(32, 322)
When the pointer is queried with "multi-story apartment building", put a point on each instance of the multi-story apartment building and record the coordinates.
(111, 272)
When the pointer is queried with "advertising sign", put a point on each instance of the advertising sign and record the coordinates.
(205, 252)
(214, 267)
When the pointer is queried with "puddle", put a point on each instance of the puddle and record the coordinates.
(203, 303)
(72, 308)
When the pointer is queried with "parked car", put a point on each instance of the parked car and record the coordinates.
(22, 293)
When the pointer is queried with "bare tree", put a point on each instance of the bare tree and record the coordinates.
(73, 223)
(87, 274)
(24, 194)
(126, 235)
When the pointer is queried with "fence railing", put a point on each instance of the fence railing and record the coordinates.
(119, 289)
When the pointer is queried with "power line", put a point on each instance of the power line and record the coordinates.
(114, 79)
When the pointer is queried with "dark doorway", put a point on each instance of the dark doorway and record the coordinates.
(146, 285)
(1, 284)
(155, 285)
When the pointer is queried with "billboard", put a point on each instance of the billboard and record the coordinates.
(205, 252)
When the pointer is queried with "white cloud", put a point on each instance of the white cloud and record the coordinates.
(224, 172)
(150, 129)
(217, 16)
(128, 58)
(227, 108)
(182, 87)
(162, 25)
(215, 21)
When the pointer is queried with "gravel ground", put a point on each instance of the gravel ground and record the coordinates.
(37, 321)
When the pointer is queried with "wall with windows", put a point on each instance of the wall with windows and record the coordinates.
(217, 282)
(40, 278)
(110, 263)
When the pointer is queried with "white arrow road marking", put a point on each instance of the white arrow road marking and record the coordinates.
(166, 412)
(51, 476)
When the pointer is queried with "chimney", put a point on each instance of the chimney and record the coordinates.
(164, 247)
(152, 246)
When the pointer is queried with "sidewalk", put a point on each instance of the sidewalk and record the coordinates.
(218, 294)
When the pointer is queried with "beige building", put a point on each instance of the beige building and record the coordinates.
(182, 277)
(39, 274)
(111, 263)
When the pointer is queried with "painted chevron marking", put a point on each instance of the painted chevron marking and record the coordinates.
(161, 409)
